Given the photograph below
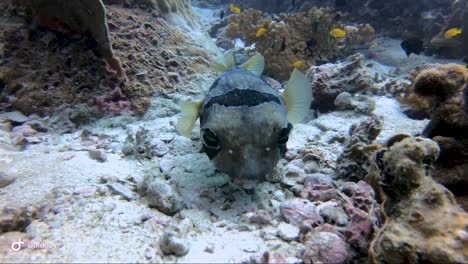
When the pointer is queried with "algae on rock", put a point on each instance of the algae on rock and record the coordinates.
(423, 222)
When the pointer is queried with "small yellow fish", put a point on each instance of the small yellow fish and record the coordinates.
(234, 9)
(260, 32)
(375, 44)
(452, 32)
(298, 64)
(337, 33)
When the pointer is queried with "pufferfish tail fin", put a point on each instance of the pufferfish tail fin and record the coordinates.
(255, 64)
(225, 62)
(190, 113)
(297, 97)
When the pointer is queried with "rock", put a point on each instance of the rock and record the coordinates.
(6, 179)
(288, 232)
(298, 211)
(17, 139)
(333, 214)
(200, 219)
(172, 242)
(261, 217)
(25, 130)
(16, 219)
(15, 117)
(329, 80)
(325, 247)
(121, 190)
(98, 154)
(160, 195)
(343, 101)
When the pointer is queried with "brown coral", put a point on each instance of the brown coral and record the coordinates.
(441, 90)
(423, 222)
(54, 69)
(81, 16)
(289, 38)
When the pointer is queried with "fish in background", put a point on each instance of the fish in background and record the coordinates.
(452, 32)
(412, 45)
(337, 33)
(260, 32)
(234, 9)
(244, 122)
(221, 15)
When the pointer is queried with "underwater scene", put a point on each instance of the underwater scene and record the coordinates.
(233, 131)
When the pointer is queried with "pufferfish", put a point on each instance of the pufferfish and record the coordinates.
(244, 122)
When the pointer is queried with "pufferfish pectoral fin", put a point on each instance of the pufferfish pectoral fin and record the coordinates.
(255, 64)
(224, 63)
(190, 113)
(297, 97)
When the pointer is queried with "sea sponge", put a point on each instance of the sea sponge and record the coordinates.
(439, 90)
(423, 223)
(443, 81)
(288, 38)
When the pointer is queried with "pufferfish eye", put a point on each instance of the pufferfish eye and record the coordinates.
(209, 139)
(284, 135)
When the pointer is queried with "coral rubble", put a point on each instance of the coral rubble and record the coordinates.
(423, 222)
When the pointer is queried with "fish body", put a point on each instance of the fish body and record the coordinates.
(337, 33)
(412, 45)
(244, 122)
(452, 32)
(298, 64)
(234, 9)
(260, 32)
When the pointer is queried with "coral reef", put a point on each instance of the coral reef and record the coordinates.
(81, 16)
(439, 90)
(423, 223)
(288, 38)
(329, 80)
(177, 12)
(355, 161)
(53, 69)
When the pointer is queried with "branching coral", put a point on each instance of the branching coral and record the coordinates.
(288, 38)
(423, 222)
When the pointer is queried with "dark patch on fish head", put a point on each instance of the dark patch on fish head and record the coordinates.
(248, 142)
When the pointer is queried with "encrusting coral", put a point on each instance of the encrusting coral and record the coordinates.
(422, 220)
(354, 162)
(440, 90)
(288, 38)
(53, 69)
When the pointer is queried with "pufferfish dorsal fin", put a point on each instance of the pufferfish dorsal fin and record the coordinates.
(256, 64)
(225, 62)
(190, 113)
(297, 97)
